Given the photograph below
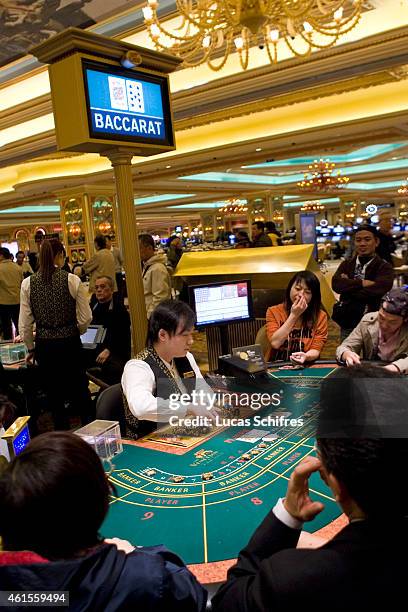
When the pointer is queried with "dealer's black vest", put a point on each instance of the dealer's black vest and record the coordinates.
(165, 385)
(53, 307)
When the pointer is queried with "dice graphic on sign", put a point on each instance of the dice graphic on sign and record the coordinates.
(135, 96)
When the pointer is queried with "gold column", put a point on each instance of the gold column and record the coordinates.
(121, 163)
(88, 223)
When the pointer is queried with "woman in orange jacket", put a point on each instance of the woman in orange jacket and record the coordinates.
(297, 328)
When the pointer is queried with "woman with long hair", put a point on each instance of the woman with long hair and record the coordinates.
(57, 303)
(297, 328)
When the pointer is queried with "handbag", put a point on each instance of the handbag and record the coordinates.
(347, 313)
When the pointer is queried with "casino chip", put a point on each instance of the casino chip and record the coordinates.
(246, 456)
(150, 472)
(207, 476)
(177, 478)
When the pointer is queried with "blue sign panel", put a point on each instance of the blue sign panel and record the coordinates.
(21, 440)
(127, 105)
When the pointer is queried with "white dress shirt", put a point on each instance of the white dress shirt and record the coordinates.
(139, 386)
(26, 320)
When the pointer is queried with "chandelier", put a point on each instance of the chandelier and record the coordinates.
(216, 28)
(234, 208)
(312, 207)
(321, 177)
(403, 190)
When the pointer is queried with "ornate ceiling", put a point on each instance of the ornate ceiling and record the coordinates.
(237, 134)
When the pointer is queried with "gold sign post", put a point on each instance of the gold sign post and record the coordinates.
(112, 98)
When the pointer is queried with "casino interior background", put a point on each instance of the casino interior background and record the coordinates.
(244, 138)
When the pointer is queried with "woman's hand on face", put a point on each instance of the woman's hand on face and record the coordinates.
(299, 306)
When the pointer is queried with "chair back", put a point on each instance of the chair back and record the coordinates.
(109, 406)
(262, 339)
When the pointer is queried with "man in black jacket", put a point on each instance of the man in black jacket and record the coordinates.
(108, 310)
(361, 281)
(364, 566)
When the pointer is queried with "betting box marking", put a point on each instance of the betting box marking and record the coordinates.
(214, 492)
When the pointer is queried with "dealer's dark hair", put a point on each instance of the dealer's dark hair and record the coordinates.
(259, 224)
(365, 465)
(100, 241)
(54, 497)
(311, 314)
(169, 315)
(147, 240)
(48, 251)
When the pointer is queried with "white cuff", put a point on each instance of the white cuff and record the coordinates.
(284, 516)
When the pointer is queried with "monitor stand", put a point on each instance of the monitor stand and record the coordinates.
(224, 338)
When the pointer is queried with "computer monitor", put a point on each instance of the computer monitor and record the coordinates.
(93, 336)
(225, 302)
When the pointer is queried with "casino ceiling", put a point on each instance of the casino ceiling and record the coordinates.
(238, 133)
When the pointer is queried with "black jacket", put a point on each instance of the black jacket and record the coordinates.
(350, 288)
(115, 318)
(363, 568)
(106, 580)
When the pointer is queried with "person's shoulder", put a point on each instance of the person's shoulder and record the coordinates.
(383, 265)
(369, 318)
(26, 282)
(322, 565)
(276, 310)
(322, 316)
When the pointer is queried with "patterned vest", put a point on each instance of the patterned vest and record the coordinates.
(164, 381)
(53, 307)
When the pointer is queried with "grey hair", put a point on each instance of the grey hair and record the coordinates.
(110, 280)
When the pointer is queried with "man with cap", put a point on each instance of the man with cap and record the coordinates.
(382, 335)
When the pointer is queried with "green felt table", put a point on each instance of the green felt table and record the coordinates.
(210, 521)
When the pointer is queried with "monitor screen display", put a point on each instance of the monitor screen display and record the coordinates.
(127, 105)
(222, 302)
(89, 337)
(21, 440)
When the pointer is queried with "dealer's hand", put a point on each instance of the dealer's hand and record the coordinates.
(298, 357)
(103, 356)
(351, 358)
(202, 410)
(297, 501)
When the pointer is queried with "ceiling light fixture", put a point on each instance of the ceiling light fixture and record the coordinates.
(320, 177)
(403, 190)
(216, 28)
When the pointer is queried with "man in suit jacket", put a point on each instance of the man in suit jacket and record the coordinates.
(364, 566)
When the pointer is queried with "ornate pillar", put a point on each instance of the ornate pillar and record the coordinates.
(121, 163)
